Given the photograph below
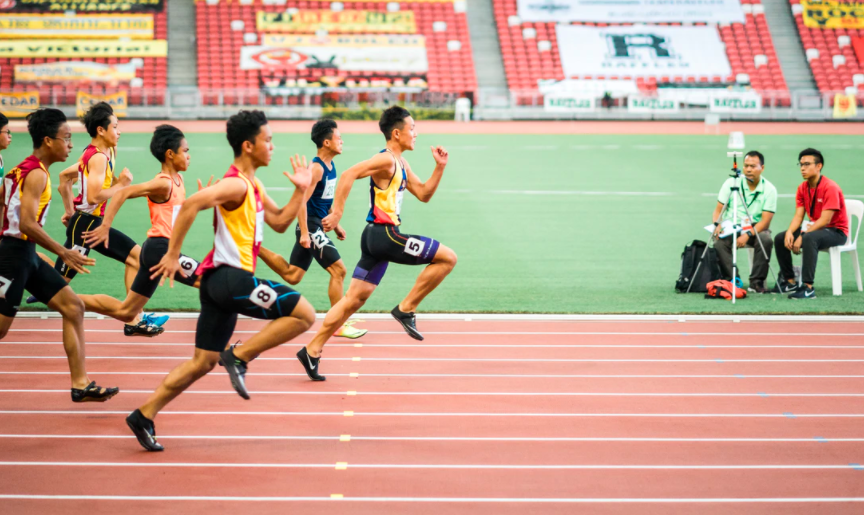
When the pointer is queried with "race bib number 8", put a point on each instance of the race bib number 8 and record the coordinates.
(4, 286)
(263, 296)
(188, 266)
(414, 247)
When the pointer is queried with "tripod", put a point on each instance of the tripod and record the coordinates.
(733, 197)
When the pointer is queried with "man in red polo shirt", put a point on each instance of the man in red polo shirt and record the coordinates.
(821, 199)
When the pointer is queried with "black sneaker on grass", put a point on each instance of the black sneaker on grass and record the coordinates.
(408, 323)
(145, 431)
(784, 287)
(310, 364)
(236, 369)
(805, 292)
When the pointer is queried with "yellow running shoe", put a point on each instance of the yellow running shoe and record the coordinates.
(347, 331)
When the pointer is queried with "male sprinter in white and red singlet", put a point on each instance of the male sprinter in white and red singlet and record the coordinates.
(27, 189)
(312, 241)
(95, 176)
(228, 285)
(382, 243)
(165, 195)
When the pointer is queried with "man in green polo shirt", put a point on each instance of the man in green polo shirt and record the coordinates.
(761, 198)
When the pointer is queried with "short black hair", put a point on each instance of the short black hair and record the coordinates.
(3, 120)
(817, 156)
(392, 118)
(44, 123)
(99, 115)
(756, 153)
(322, 131)
(244, 126)
(165, 138)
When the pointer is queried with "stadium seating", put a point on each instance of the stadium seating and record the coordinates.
(219, 74)
(154, 74)
(525, 63)
(822, 47)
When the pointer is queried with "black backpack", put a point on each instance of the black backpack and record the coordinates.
(709, 271)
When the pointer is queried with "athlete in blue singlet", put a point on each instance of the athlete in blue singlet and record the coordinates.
(311, 238)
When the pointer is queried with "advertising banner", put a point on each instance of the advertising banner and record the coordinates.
(118, 101)
(359, 81)
(76, 71)
(735, 102)
(51, 26)
(642, 51)
(569, 103)
(640, 104)
(833, 15)
(86, 6)
(400, 22)
(845, 106)
(82, 48)
(19, 105)
(349, 53)
(631, 11)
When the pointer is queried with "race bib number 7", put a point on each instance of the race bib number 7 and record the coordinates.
(263, 296)
(414, 247)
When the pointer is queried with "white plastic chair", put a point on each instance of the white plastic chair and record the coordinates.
(855, 208)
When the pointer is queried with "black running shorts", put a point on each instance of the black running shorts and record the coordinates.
(322, 249)
(227, 292)
(151, 254)
(119, 245)
(382, 244)
(20, 269)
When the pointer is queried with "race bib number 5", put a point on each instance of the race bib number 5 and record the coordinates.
(263, 296)
(188, 266)
(414, 247)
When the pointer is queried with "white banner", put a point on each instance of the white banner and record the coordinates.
(403, 54)
(738, 102)
(642, 51)
(569, 103)
(639, 104)
(631, 11)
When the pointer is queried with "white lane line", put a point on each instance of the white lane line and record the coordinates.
(514, 376)
(586, 193)
(446, 438)
(500, 500)
(486, 346)
(501, 360)
(415, 466)
(470, 394)
(456, 414)
(507, 333)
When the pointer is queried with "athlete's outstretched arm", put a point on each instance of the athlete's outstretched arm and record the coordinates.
(379, 164)
(96, 178)
(230, 191)
(159, 187)
(32, 189)
(68, 177)
(280, 219)
(424, 190)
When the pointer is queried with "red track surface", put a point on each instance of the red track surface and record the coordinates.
(481, 417)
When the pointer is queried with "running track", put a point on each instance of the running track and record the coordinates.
(482, 417)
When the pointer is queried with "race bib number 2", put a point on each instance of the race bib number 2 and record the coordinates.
(414, 247)
(319, 239)
(263, 296)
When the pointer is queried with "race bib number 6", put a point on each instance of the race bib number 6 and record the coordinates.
(414, 247)
(263, 296)
(188, 266)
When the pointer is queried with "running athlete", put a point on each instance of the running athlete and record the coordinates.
(165, 194)
(228, 287)
(382, 243)
(95, 175)
(312, 241)
(27, 195)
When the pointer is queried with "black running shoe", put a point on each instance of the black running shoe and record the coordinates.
(407, 321)
(805, 292)
(310, 364)
(232, 347)
(236, 369)
(143, 328)
(32, 299)
(145, 431)
(784, 287)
